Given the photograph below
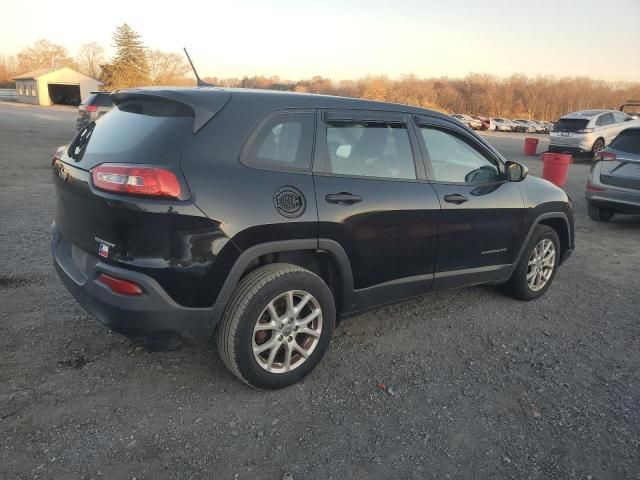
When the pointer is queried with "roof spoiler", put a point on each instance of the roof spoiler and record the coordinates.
(205, 103)
(200, 82)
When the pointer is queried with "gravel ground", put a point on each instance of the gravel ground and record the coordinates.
(477, 385)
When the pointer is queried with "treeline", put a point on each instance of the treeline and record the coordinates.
(540, 98)
(134, 64)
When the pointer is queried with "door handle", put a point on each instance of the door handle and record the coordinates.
(455, 198)
(342, 198)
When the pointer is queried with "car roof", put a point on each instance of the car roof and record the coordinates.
(273, 99)
(586, 113)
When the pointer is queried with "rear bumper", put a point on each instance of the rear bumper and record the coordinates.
(618, 199)
(143, 317)
(615, 199)
(576, 143)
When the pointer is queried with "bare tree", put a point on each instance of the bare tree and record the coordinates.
(8, 70)
(43, 54)
(168, 68)
(89, 58)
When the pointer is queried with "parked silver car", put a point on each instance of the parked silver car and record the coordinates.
(502, 124)
(614, 183)
(588, 130)
(528, 125)
(468, 120)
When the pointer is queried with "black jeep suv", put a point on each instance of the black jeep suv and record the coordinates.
(264, 216)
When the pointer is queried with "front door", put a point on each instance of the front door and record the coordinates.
(373, 199)
(482, 219)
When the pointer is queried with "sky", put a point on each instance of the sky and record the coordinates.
(344, 39)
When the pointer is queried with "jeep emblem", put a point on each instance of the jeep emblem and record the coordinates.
(289, 201)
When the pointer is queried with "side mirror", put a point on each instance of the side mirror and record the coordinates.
(516, 172)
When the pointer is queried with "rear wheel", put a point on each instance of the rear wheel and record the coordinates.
(599, 214)
(277, 327)
(538, 265)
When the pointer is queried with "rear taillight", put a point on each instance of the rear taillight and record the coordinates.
(602, 155)
(585, 130)
(593, 188)
(58, 154)
(118, 285)
(135, 180)
(90, 108)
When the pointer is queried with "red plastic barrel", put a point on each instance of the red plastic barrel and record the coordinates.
(556, 167)
(530, 146)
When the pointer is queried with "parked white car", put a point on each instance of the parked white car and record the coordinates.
(588, 130)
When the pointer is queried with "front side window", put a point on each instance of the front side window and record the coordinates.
(370, 149)
(606, 119)
(284, 142)
(620, 117)
(453, 160)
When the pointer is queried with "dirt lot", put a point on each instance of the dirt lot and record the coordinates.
(483, 386)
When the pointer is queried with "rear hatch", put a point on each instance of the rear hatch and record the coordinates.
(624, 170)
(144, 130)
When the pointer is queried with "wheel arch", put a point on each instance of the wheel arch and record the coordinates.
(324, 257)
(556, 220)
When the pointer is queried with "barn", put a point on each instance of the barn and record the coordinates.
(54, 86)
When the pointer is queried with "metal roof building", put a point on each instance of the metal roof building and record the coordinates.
(49, 86)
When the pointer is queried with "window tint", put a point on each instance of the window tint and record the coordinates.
(570, 125)
(102, 100)
(372, 149)
(136, 131)
(454, 160)
(628, 141)
(606, 119)
(285, 141)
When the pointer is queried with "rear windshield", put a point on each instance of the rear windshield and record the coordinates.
(136, 131)
(628, 141)
(570, 124)
(98, 99)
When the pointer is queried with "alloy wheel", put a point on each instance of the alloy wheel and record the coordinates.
(598, 146)
(542, 261)
(287, 331)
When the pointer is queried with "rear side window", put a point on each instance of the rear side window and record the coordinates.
(453, 160)
(136, 131)
(606, 119)
(284, 142)
(627, 141)
(370, 149)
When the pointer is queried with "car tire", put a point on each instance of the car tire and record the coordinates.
(599, 214)
(598, 145)
(260, 296)
(521, 285)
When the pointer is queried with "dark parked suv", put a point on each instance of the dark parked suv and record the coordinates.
(92, 108)
(264, 216)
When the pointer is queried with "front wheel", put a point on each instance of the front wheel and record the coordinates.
(599, 214)
(537, 268)
(277, 326)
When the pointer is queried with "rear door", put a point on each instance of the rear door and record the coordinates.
(373, 199)
(482, 221)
